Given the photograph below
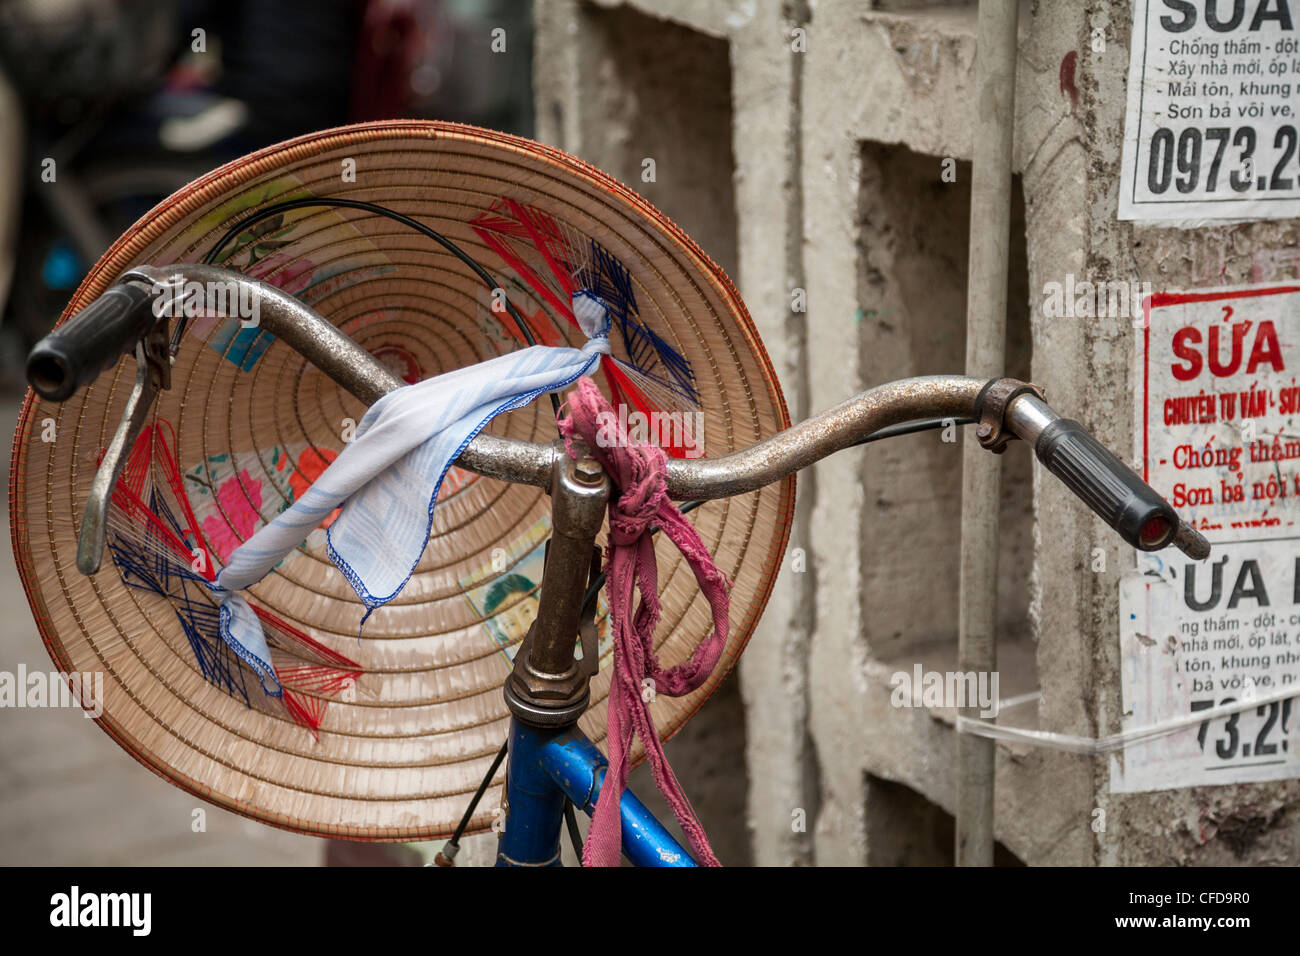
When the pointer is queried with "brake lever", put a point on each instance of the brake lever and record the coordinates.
(152, 375)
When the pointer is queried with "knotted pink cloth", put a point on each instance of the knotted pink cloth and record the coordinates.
(640, 500)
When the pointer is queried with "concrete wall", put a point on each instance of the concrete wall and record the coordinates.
(803, 146)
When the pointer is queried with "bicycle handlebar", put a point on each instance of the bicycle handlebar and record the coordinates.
(1125, 502)
(91, 341)
(1098, 478)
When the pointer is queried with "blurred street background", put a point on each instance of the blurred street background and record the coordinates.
(125, 101)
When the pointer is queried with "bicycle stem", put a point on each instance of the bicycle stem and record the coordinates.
(548, 687)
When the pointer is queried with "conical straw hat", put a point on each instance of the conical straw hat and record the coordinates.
(398, 756)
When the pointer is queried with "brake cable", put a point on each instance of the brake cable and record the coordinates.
(909, 428)
(571, 824)
(376, 209)
(447, 855)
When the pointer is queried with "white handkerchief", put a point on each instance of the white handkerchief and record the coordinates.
(386, 480)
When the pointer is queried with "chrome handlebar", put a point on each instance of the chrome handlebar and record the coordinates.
(522, 462)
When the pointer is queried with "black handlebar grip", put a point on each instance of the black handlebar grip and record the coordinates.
(91, 341)
(1107, 485)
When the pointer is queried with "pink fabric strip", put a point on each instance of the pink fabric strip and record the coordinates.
(637, 472)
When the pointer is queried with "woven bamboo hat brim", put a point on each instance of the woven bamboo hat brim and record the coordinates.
(398, 756)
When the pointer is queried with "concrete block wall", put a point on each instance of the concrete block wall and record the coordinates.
(803, 145)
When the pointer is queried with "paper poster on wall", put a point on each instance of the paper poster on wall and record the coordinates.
(1217, 432)
(1213, 108)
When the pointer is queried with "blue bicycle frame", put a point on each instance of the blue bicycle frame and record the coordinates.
(545, 768)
